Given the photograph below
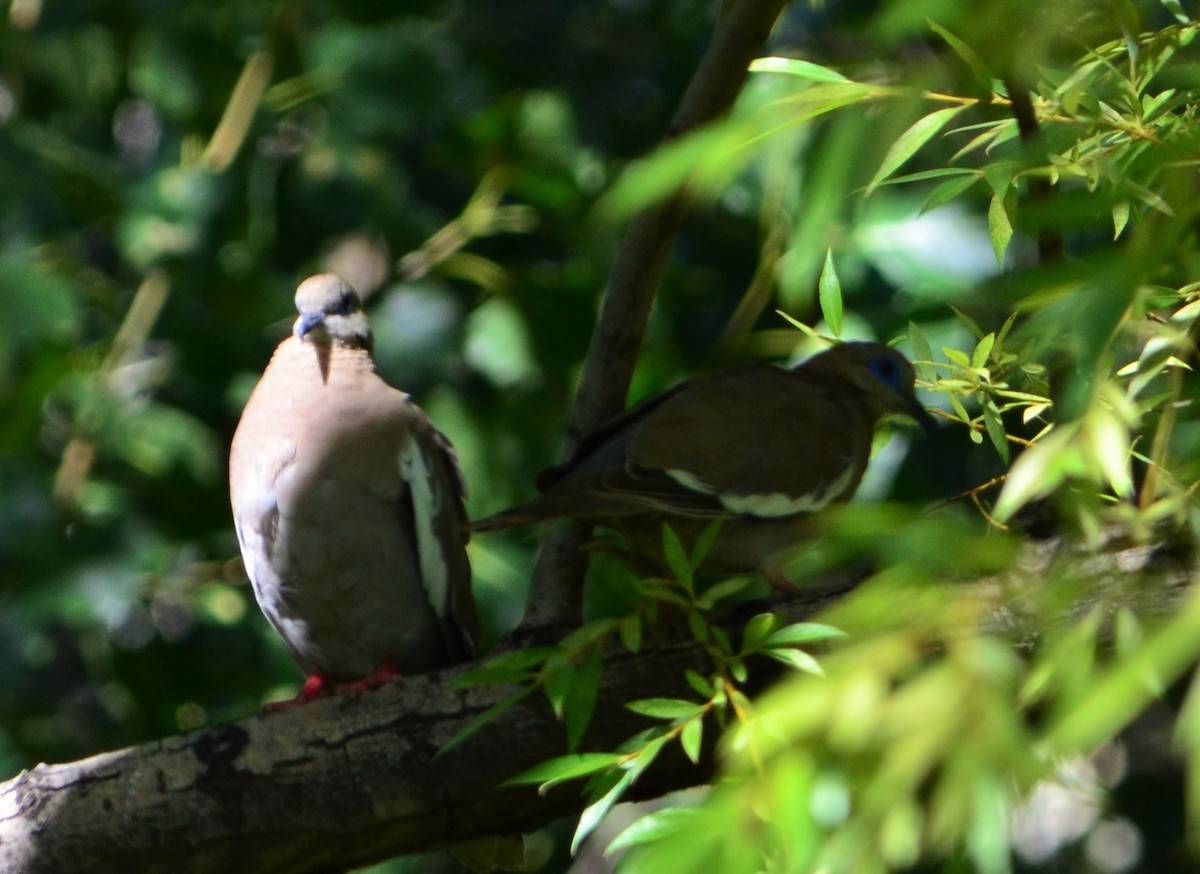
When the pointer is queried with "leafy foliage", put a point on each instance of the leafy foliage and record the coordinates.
(1006, 187)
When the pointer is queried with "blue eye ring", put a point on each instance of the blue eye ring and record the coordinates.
(344, 306)
(885, 370)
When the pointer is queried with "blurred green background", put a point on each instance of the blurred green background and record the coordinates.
(122, 613)
(447, 158)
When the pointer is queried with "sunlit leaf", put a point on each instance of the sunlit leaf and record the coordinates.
(691, 737)
(664, 708)
(968, 55)
(796, 67)
(569, 767)
(910, 141)
(829, 293)
(1000, 228)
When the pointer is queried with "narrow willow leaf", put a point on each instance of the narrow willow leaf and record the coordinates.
(1176, 9)
(756, 630)
(1120, 214)
(581, 698)
(802, 632)
(691, 737)
(922, 352)
(509, 667)
(719, 591)
(910, 141)
(630, 630)
(983, 349)
(829, 293)
(563, 768)
(664, 708)
(490, 715)
(995, 429)
(699, 683)
(798, 659)
(965, 53)
(704, 543)
(596, 811)
(796, 67)
(1110, 448)
(987, 836)
(999, 227)
(1036, 472)
(653, 827)
(947, 191)
(676, 555)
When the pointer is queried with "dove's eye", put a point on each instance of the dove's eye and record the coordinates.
(885, 371)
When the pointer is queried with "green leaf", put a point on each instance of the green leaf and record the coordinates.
(756, 630)
(796, 67)
(947, 191)
(922, 352)
(676, 556)
(665, 708)
(1120, 214)
(1176, 9)
(987, 837)
(509, 667)
(699, 683)
(910, 141)
(798, 659)
(580, 702)
(802, 632)
(995, 429)
(595, 812)
(1000, 228)
(562, 768)
(704, 543)
(556, 685)
(983, 349)
(630, 630)
(1110, 447)
(653, 827)
(490, 715)
(691, 737)
(829, 293)
(965, 52)
(719, 591)
(1037, 471)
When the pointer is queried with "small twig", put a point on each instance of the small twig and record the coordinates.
(1050, 242)
(80, 451)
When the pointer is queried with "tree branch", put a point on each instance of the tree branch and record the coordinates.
(554, 597)
(338, 782)
(343, 781)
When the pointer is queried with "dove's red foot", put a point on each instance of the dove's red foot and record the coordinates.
(385, 674)
(314, 687)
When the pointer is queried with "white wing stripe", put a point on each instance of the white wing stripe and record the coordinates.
(435, 576)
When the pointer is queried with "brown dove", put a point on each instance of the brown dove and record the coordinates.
(761, 447)
(348, 506)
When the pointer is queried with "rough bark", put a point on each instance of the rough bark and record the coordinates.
(342, 781)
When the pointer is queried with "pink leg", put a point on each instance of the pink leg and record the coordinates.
(313, 688)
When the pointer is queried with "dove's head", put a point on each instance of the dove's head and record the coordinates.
(330, 309)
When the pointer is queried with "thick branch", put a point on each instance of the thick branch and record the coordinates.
(345, 781)
(554, 597)
(331, 784)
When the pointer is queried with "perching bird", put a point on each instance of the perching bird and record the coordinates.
(757, 445)
(348, 506)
